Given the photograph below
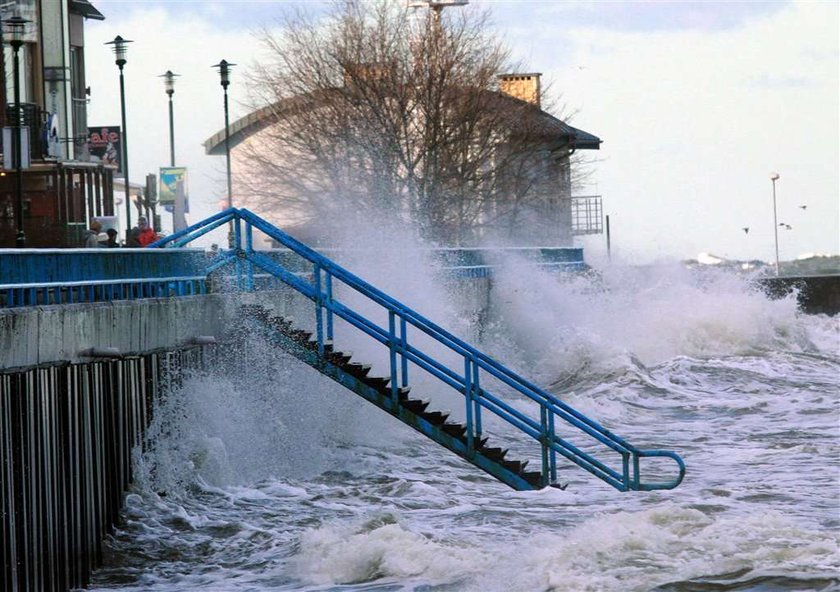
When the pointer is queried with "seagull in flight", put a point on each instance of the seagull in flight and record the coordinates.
(787, 226)
(805, 207)
(746, 229)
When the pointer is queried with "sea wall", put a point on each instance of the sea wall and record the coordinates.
(78, 385)
(67, 432)
(816, 294)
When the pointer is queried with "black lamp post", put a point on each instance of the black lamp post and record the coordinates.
(119, 47)
(169, 84)
(224, 73)
(16, 27)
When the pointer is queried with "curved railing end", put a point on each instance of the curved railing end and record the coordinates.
(668, 484)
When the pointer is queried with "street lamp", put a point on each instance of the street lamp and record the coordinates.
(169, 84)
(16, 26)
(224, 73)
(119, 47)
(775, 177)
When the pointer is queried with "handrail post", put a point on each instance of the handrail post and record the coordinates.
(544, 444)
(249, 249)
(636, 475)
(328, 278)
(468, 397)
(477, 401)
(319, 316)
(237, 244)
(552, 459)
(404, 343)
(625, 470)
(392, 346)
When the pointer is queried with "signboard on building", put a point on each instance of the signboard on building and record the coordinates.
(105, 145)
(169, 177)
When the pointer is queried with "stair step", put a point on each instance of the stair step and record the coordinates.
(532, 477)
(339, 358)
(403, 392)
(380, 383)
(358, 370)
(280, 323)
(416, 406)
(496, 454)
(434, 417)
(300, 336)
(455, 429)
(514, 466)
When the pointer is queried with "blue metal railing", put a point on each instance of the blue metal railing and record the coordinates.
(401, 352)
(31, 277)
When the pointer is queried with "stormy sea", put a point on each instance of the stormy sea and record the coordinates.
(260, 474)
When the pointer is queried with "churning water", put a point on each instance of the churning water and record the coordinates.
(271, 477)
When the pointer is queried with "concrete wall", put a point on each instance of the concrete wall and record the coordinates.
(39, 335)
(47, 334)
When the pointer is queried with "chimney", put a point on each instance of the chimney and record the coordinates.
(525, 87)
(367, 72)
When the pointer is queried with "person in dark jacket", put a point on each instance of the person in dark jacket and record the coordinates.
(112, 243)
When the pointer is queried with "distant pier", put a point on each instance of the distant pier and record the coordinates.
(816, 294)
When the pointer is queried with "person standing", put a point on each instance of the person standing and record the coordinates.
(141, 235)
(91, 236)
(112, 243)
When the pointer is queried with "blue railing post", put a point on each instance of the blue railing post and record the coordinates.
(468, 397)
(404, 343)
(636, 475)
(328, 278)
(392, 345)
(237, 244)
(477, 402)
(319, 315)
(625, 470)
(552, 460)
(249, 249)
(544, 443)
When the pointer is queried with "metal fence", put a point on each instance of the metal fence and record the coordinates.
(66, 436)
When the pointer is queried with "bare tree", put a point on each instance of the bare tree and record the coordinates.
(375, 110)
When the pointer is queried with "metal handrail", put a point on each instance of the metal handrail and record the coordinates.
(325, 271)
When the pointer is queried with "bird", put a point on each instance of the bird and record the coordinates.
(805, 207)
(746, 229)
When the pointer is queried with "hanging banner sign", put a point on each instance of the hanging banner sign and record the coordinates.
(169, 177)
(105, 145)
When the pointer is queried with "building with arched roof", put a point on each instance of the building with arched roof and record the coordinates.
(545, 221)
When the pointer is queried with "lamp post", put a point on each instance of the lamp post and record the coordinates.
(224, 74)
(775, 177)
(119, 47)
(169, 84)
(16, 27)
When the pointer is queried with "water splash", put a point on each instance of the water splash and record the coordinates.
(622, 316)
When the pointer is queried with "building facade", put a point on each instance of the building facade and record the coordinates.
(545, 220)
(57, 189)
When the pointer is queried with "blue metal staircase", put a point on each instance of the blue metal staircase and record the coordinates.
(319, 282)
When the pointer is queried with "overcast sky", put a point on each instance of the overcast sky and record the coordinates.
(696, 102)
